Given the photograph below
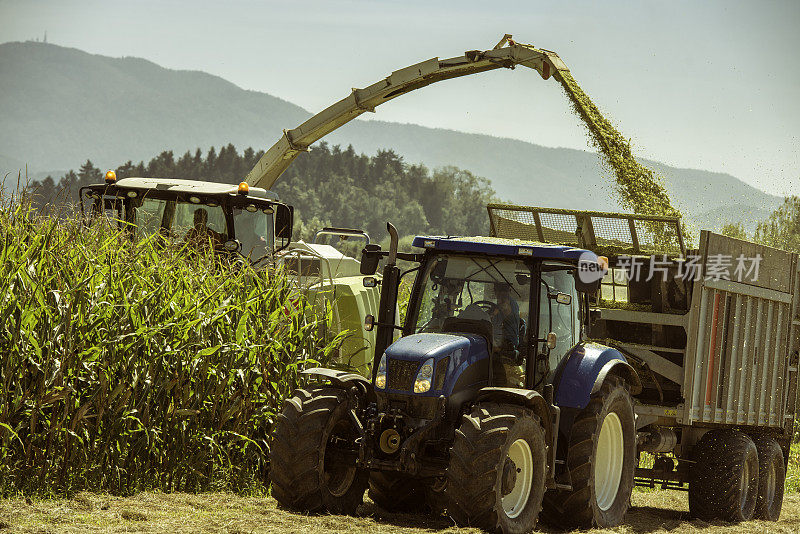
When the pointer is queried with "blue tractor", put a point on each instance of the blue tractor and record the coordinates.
(493, 404)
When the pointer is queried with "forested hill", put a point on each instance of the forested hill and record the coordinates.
(60, 106)
(327, 186)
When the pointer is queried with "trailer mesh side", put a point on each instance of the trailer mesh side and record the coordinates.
(610, 233)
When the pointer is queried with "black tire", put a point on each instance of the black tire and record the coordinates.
(582, 507)
(396, 492)
(306, 473)
(723, 481)
(481, 474)
(771, 479)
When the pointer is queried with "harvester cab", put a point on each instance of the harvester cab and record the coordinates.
(474, 404)
(234, 219)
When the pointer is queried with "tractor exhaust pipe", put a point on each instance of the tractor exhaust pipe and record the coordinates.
(393, 241)
(388, 304)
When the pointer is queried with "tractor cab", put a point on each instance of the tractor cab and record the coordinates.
(484, 312)
(520, 300)
(245, 220)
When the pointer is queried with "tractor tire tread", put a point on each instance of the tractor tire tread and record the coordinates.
(576, 508)
(296, 453)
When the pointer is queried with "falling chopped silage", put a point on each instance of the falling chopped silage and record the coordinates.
(639, 188)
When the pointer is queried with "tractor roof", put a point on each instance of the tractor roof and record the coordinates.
(192, 186)
(505, 247)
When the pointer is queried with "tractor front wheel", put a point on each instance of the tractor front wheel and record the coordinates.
(601, 459)
(313, 455)
(496, 475)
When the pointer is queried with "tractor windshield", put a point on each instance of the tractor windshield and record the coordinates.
(493, 290)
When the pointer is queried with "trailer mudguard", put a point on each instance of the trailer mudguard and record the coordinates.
(583, 370)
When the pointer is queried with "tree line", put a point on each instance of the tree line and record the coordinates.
(780, 230)
(331, 186)
(328, 186)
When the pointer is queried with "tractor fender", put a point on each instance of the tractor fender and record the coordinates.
(622, 370)
(525, 397)
(342, 379)
(582, 371)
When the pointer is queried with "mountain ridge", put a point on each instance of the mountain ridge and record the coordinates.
(111, 110)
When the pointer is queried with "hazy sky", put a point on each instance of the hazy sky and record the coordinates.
(711, 84)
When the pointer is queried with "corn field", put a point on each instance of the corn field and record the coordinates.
(129, 366)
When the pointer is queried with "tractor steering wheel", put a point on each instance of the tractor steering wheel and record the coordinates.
(486, 305)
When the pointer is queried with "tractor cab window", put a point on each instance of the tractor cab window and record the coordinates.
(489, 296)
(557, 315)
(109, 210)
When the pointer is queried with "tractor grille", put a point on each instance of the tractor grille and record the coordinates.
(401, 374)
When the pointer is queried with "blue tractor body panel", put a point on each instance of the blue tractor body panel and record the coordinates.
(455, 351)
(504, 247)
(577, 373)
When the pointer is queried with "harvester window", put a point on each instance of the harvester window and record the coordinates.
(149, 216)
(198, 222)
(254, 232)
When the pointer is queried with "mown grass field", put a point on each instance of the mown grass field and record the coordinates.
(652, 511)
(657, 511)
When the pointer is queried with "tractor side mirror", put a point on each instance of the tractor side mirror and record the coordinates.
(284, 222)
(590, 274)
(563, 298)
(439, 271)
(369, 323)
(370, 257)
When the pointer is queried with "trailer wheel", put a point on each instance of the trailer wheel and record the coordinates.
(723, 482)
(496, 475)
(601, 458)
(312, 460)
(771, 478)
(396, 492)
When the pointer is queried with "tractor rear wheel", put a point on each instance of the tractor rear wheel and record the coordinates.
(496, 475)
(601, 458)
(723, 481)
(313, 458)
(771, 478)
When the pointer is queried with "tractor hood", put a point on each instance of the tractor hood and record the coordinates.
(452, 354)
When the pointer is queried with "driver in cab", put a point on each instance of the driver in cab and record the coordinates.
(200, 233)
(506, 328)
(505, 319)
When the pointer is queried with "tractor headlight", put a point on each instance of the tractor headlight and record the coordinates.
(423, 381)
(380, 376)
